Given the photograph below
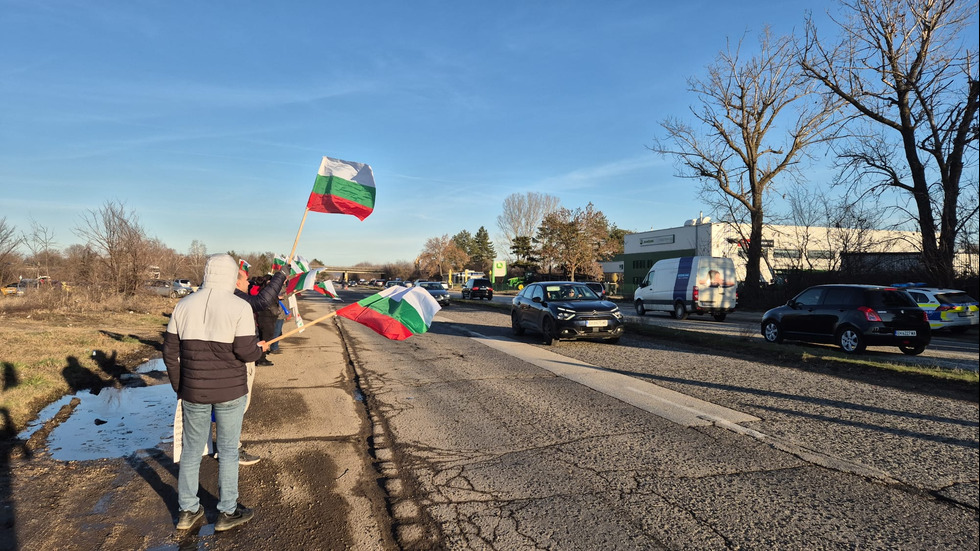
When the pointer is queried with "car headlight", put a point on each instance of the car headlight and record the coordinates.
(616, 313)
(565, 313)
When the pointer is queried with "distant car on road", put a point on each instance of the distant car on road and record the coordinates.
(565, 310)
(477, 288)
(435, 289)
(851, 316)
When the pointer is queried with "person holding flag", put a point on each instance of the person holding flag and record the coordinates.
(266, 296)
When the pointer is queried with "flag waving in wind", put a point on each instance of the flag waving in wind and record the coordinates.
(305, 281)
(278, 263)
(396, 312)
(325, 287)
(298, 266)
(343, 187)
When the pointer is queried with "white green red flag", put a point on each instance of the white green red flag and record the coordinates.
(326, 287)
(298, 266)
(279, 262)
(244, 266)
(305, 281)
(343, 187)
(396, 312)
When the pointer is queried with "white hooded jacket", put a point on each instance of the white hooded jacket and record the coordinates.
(210, 336)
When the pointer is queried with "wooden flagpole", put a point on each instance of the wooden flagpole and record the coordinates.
(292, 253)
(298, 329)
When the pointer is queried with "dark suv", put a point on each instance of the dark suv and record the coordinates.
(851, 316)
(478, 288)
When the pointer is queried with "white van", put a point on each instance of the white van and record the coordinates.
(688, 285)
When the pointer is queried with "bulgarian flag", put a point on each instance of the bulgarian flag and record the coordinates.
(343, 187)
(396, 312)
(305, 281)
(278, 263)
(298, 266)
(244, 266)
(325, 287)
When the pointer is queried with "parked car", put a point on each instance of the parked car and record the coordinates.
(12, 289)
(435, 289)
(477, 288)
(183, 287)
(393, 282)
(946, 308)
(565, 310)
(598, 287)
(166, 288)
(851, 316)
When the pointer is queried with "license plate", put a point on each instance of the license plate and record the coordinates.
(904, 333)
(596, 323)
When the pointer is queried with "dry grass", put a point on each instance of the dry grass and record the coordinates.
(54, 343)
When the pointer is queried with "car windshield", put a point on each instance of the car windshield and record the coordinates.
(569, 291)
(432, 286)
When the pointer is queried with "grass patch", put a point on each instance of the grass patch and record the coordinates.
(45, 354)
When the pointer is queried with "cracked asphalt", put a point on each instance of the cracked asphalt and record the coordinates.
(482, 449)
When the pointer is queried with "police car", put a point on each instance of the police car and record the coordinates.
(946, 308)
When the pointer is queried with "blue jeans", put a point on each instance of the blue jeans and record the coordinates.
(275, 346)
(197, 430)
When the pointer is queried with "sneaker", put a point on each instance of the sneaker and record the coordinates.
(227, 521)
(264, 362)
(187, 519)
(245, 458)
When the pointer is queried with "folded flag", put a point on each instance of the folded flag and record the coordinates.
(298, 266)
(305, 281)
(343, 187)
(278, 263)
(396, 312)
(244, 266)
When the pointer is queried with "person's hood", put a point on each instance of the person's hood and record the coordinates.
(220, 273)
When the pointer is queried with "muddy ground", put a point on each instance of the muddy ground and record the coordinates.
(316, 486)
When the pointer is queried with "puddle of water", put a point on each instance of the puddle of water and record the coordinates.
(114, 423)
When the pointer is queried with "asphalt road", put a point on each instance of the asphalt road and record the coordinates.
(489, 441)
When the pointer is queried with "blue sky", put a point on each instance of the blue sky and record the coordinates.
(208, 119)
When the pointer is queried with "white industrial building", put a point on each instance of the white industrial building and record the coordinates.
(783, 248)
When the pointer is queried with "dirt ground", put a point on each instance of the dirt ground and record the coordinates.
(316, 486)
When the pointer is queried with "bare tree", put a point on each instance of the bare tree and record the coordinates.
(39, 242)
(828, 228)
(442, 255)
(757, 119)
(523, 213)
(908, 68)
(197, 256)
(82, 265)
(9, 241)
(117, 236)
